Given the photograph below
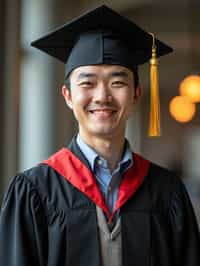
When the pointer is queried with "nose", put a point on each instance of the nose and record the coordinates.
(102, 94)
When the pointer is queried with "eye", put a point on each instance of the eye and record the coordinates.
(86, 84)
(119, 83)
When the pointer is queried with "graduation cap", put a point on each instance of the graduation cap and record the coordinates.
(102, 36)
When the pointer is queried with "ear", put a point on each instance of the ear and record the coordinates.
(137, 93)
(67, 96)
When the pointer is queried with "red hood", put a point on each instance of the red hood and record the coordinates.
(73, 169)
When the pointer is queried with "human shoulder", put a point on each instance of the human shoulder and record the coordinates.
(39, 180)
(157, 175)
(165, 176)
(163, 184)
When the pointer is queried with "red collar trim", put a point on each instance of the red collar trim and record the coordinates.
(72, 169)
(131, 181)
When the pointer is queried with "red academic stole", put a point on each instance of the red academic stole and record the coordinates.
(72, 168)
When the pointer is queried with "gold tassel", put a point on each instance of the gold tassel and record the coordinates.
(154, 123)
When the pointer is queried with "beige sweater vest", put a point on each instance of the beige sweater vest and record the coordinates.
(110, 241)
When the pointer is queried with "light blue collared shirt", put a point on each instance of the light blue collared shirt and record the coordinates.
(108, 182)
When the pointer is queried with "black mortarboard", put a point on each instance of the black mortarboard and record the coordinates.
(100, 36)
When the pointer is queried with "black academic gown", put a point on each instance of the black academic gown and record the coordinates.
(48, 216)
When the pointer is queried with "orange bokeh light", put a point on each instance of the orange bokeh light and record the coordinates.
(190, 87)
(182, 109)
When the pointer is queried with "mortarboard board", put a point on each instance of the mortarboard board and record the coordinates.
(102, 36)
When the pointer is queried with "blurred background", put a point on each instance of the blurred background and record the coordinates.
(33, 117)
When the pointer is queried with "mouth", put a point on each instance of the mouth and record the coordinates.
(103, 113)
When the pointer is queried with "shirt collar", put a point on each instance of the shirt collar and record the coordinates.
(91, 155)
(127, 157)
(88, 152)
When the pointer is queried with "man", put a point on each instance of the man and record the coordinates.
(95, 202)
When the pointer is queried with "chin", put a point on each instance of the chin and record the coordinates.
(103, 132)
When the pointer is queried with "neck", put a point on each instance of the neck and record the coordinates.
(110, 149)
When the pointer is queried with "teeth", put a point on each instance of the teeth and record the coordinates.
(103, 111)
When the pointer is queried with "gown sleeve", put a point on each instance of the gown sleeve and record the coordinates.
(23, 228)
(184, 229)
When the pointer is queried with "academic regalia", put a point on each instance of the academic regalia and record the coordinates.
(48, 216)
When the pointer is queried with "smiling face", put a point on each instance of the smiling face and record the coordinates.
(102, 99)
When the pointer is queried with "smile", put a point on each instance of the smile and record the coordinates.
(102, 113)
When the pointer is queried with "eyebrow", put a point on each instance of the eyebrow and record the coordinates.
(85, 75)
(119, 74)
(112, 74)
